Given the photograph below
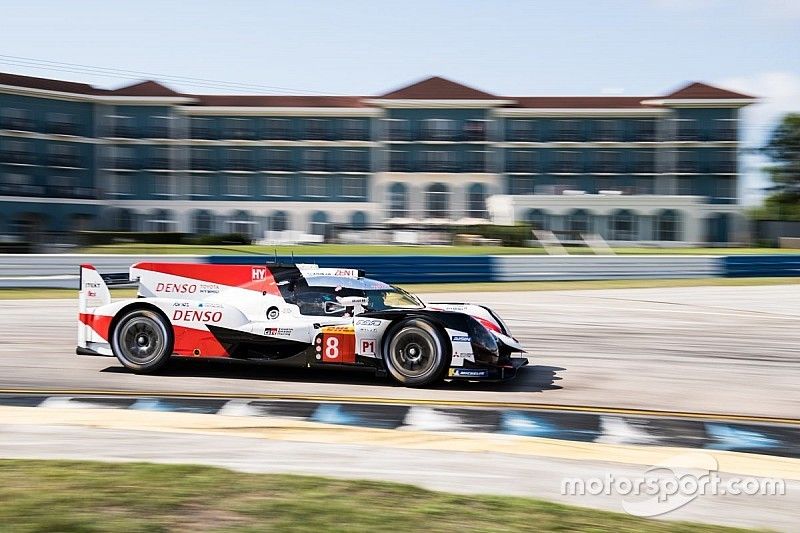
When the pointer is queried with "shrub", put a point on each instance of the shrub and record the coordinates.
(515, 235)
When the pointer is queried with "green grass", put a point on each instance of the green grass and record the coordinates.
(86, 497)
(379, 249)
(27, 294)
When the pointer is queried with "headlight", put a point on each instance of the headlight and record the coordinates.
(484, 344)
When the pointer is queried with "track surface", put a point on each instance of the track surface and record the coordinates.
(702, 349)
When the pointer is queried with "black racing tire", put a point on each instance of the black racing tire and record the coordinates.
(142, 340)
(416, 353)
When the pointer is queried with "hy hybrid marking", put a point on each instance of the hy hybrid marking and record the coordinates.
(778, 440)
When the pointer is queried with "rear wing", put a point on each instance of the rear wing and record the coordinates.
(93, 286)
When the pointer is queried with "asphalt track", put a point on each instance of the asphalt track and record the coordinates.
(725, 350)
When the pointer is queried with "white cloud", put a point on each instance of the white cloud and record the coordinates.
(778, 93)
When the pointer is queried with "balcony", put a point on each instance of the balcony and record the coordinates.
(63, 160)
(687, 134)
(19, 124)
(474, 166)
(202, 133)
(123, 132)
(278, 165)
(523, 136)
(723, 167)
(438, 135)
(687, 167)
(317, 166)
(64, 191)
(568, 136)
(644, 136)
(439, 166)
(39, 191)
(21, 189)
(725, 134)
(159, 163)
(62, 128)
(399, 166)
(606, 168)
(565, 168)
(318, 135)
(239, 134)
(355, 135)
(355, 166)
(123, 163)
(644, 167)
(159, 132)
(17, 157)
(399, 134)
(524, 167)
(278, 135)
(243, 165)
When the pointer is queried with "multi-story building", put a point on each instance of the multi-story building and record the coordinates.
(144, 157)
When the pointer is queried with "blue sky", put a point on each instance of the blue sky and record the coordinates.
(361, 47)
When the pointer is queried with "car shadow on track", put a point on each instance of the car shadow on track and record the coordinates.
(534, 378)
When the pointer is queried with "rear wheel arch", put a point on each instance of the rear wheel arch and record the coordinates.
(156, 331)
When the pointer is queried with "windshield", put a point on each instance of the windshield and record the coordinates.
(393, 298)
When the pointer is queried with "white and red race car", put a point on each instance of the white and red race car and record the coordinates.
(296, 313)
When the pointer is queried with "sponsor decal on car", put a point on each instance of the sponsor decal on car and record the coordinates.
(367, 347)
(259, 273)
(176, 288)
(278, 332)
(468, 372)
(461, 338)
(197, 316)
(368, 322)
(208, 289)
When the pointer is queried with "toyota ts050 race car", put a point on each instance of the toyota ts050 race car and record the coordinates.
(295, 313)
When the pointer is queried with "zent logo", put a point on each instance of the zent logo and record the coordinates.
(259, 273)
(197, 316)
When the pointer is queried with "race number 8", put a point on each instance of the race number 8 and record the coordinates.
(331, 347)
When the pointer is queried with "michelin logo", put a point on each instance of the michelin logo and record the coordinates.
(460, 338)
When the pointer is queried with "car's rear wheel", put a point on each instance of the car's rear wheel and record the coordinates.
(416, 353)
(142, 340)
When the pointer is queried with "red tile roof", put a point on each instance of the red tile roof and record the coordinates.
(702, 91)
(436, 88)
(145, 88)
(278, 101)
(579, 102)
(46, 84)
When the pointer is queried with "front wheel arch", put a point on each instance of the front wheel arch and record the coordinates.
(444, 341)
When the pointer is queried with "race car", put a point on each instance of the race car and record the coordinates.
(293, 313)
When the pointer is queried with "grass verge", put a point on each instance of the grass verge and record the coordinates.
(500, 286)
(378, 249)
(89, 496)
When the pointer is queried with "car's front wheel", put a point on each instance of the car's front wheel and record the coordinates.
(142, 340)
(416, 353)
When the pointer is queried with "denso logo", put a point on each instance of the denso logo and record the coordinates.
(179, 288)
(197, 316)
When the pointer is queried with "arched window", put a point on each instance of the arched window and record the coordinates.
(161, 220)
(203, 222)
(358, 219)
(476, 201)
(241, 222)
(537, 219)
(578, 222)
(668, 226)
(319, 223)
(437, 201)
(123, 220)
(623, 226)
(398, 201)
(279, 221)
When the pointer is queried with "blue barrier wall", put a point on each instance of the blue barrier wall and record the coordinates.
(389, 268)
(751, 266)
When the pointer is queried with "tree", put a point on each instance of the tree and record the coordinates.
(784, 150)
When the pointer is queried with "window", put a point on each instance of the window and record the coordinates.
(315, 160)
(239, 128)
(18, 152)
(122, 157)
(200, 128)
(476, 201)
(475, 130)
(316, 186)
(623, 226)
(123, 220)
(160, 157)
(726, 129)
(161, 220)
(437, 201)
(524, 161)
(160, 127)
(355, 161)
(358, 219)
(399, 161)
(398, 129)
(685, 129)
(237, 186)
(61, 124)
(578, 223)
(201, 159)
(522, 130)
(277, 186)
(239, 159)
(15, 119)
(277, 128)
(319, 223)
(354, 129)
(476, 161)
(398, 201)
(567, 130)
(685, 186)
(15, 184)
(606, 130)
(161, 184)
(278, 160)
(725, 188)
(725, 162)
(537, 219)
(686, 162)
(438, 161)
(203, 223)
(201, 185)
(566, 162)
(317, 128)
(607, 162)
(645, 186)
(120, 126)
(279, 221)
(522, 185)
(354, 187)
(668, 226)
(62, 155)
(121, 184)
(241, 223)
(644, 161)
(438, 129)
(644, 130)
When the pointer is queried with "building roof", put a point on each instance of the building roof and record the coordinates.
(436, 88)
(579, 102)
(278, 101)
(46, 84)
(145, 88)
(699, 90)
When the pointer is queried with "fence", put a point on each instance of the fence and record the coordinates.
(61, 270)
